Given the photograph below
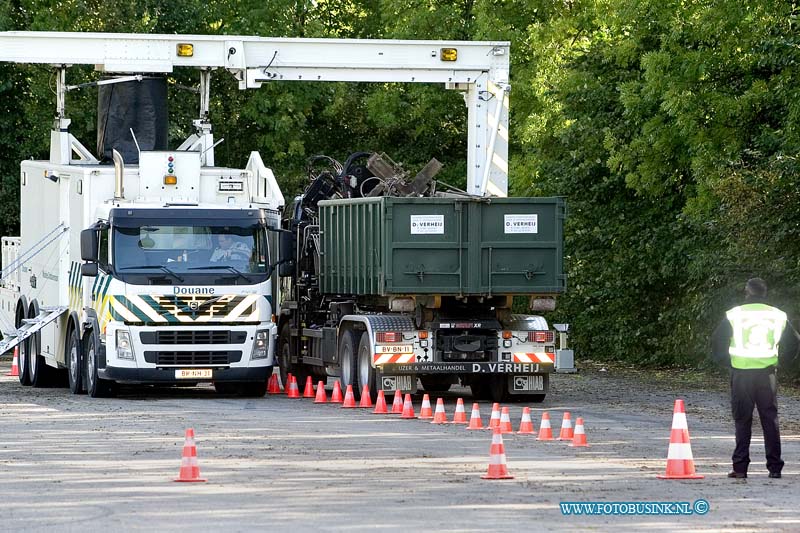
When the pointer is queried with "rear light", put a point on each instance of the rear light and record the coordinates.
(506, 334)
(389, 336)
(541, 336)
(422, 334)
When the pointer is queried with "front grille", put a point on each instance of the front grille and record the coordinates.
(192, 358)
(189, 337)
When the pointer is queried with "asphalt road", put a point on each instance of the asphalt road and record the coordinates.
(73, 463)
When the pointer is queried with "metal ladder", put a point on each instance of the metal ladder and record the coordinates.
(31, 326)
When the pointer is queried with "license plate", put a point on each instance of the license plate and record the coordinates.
(193, 373)
(401, 348)
(529, 383)
(393, 383)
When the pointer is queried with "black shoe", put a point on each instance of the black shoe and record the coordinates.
(739, 475)
(775, 475)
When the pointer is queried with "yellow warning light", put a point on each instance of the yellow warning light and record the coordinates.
(170, 180)
(448, 54)
(185, 50)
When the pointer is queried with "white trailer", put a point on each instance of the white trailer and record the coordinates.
(120, 273)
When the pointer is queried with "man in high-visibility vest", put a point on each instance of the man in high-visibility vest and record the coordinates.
(752, 339)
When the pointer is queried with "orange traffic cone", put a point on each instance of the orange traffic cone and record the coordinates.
(14, 365)
(308, 392)
(336, 395)
(349, 398)
(408, 408)
(680, 463)
(475, 421)
(366, 397)
(497, 458)
(294, 392)
(494, 420)
(505, 422)
(273, 387)
(190, 470)
(545, 431)
(425, 412)
(440, 416)
(566, 427)
(288, 383)
(579, 438)
(526, 424)
(397, 404)
(380, 404)
(322, 396)
(459, 417)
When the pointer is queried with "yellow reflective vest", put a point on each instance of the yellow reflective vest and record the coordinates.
(757, 329)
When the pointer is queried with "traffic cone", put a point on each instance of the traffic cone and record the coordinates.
(425, 412)
(308, 392)
(190, 470)
(14, 365)
(349, 398)
(380, 404)
(440, 416)
(475, 421)
(287, 385)
(397, 404)
(322, 396)
(408, 408)
(505, 422)
(566, 427)
(366, 397)
(459, 417)
(497, 458)
(336, 395)
(494, 420)
(294, 392)
(526, 424)
(579, 438)
(680, 463)
(273, 387)
(545, 431)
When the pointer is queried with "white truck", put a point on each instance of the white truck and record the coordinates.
(159, 268)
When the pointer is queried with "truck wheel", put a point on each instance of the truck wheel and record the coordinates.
(347, 360)
(95, 386)
(285, 359)
(497, 388)
(436, 383)
(74, 362)
(38, 371)
(366, 373)
(24, 351)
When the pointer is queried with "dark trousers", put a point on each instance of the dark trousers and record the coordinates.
(759, 389)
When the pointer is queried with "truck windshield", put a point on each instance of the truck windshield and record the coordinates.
(184, 255)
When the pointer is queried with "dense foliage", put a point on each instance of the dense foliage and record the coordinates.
(671, 127)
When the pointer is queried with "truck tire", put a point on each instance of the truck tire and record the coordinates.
(285, 365)
(436, 383)
(96, 387)
(39, 374)
(366, 373)
(74, 362)
(347, 360)
(23, 352)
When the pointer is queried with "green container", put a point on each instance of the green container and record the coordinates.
(447, 246)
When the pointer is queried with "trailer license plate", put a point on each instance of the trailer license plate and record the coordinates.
(193, 373)
(529, 383)
(393, 383)
(401, 348)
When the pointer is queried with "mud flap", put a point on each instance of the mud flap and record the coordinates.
(405, 383)
(528, 384)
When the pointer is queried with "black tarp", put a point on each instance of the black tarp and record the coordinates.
(137, 105)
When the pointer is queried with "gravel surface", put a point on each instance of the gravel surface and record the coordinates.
(73, 463)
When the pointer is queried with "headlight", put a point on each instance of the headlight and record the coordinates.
(124, 345)
(261, 345)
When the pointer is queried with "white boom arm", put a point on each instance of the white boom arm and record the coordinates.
(480, 70)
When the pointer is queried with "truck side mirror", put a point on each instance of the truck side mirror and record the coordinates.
(286, 264)
(89, 269)
(90, 245)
